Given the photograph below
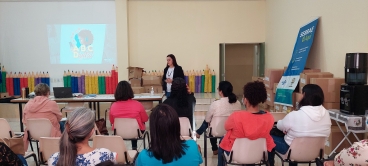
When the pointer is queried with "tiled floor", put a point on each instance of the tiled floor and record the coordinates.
(199, 117)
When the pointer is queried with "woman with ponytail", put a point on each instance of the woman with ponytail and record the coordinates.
(74, 147)
(227, 104)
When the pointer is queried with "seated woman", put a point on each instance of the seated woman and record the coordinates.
(181, 99)
(356, 154)
(42, 107)
(167, 147)
(74, 147)
(223, 107)
(311, 120)
(125, 107)
(251, 123)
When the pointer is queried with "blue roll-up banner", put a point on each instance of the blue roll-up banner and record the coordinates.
(290, 79)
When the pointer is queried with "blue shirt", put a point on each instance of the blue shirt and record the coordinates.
(192, 157)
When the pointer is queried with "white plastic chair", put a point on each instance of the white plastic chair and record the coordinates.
(304, 150)
(116, 144)
(246, 151)
(70, 107)
(216, 130)
(48, 146)
(6, 132)
(37, 128)
(185, 129)
(128, 129)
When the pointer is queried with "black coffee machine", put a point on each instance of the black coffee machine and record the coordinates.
(354, 93)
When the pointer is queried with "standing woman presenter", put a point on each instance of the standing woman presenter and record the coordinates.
(171, 71)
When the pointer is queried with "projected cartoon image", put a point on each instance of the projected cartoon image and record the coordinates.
(81, 44)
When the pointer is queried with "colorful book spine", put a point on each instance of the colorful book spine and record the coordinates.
(213, 81)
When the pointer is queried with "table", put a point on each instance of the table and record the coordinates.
(91, 101)
(353, 123)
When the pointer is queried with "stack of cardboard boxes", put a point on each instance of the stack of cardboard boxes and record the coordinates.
(271, 79)
(144, 84)
(135, 79)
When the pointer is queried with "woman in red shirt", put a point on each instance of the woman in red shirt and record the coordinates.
(125, 107)
(251, 123)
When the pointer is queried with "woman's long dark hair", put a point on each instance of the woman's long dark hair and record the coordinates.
(227, 90)
(166, 143)
(179, 92)
(173, 59)
(78, 127)
(313, 96)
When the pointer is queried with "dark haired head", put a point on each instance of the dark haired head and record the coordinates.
(173, 59)
(255, 93)
(179, 91)
(123, 91)
(166, 143)
(227, 90)
(312, 96)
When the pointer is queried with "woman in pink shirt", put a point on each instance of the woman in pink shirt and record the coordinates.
(125, 107)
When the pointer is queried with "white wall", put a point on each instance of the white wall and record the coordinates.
(342, 28)
(122, 38)
(191, 30)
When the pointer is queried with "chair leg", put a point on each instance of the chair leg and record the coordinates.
(35, 159)
(38, 153)
(205, 149)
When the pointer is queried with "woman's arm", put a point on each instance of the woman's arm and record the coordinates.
(55, 110)
(142, 113)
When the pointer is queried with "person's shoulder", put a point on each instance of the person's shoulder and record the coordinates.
(102, 150)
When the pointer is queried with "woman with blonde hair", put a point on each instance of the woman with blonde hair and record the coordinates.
(42, 107)
(74, 147)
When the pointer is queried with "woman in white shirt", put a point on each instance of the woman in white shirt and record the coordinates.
(226, 105)
(74, 147)
(311, 120)
(172, 70)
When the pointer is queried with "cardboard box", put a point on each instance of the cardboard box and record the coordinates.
(260, 79)
(329, 106)
(138, 90)
(135, 82)
(275, 87)
(156, 89)
(306, 70)
(305, 78)
(309, 70)
(331, 88)
(270, 97)
(336, 137)
(152, 80)
(272, 76)
(135, 72)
